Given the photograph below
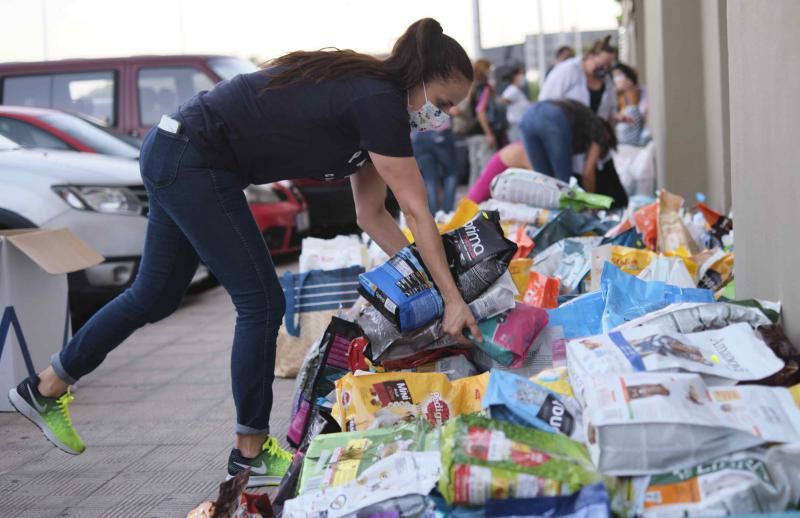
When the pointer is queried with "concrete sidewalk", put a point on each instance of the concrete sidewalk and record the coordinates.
(157, 418)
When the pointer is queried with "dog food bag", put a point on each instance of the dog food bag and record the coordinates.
(478, 254)
(402, 291)
(401, 474)
(337, 458)
(753, 481)
(519, 401)
(485, 458)
(736, 353)
(375, 399)
(645, 424)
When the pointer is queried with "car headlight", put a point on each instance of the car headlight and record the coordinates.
(259, 194)
(108, 200)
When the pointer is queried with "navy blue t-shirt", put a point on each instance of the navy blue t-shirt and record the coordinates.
(307, 130)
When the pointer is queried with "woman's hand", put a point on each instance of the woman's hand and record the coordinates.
(457, 317)
(404, 179)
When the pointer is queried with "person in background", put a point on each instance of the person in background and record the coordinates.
(631, 104)
(553, 131)
(482, 140)
(435, 152)
(512, 155)
(562, 54)
(586, 79)
(517, 102)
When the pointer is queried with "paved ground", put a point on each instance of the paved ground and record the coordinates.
(157, 418)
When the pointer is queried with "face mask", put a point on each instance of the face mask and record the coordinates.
(428, 117)
(600, 72)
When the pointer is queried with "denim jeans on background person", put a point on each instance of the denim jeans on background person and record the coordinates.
(195, 212)
(435, 152)
(547, 135)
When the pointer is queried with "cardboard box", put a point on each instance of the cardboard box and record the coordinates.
(34, 310)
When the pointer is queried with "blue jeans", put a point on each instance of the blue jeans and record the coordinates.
(196, 212)
(547, 136)
(435, 152)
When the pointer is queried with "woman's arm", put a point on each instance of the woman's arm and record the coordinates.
(589, 177)
(369, 195)
(402, 176)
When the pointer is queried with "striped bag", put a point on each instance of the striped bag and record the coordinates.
(312, 298)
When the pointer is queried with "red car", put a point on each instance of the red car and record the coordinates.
(279, 208)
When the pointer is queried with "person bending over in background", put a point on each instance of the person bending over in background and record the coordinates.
(554, 131)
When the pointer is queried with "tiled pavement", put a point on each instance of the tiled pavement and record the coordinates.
(157, 418)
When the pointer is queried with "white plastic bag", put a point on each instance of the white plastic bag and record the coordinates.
(331, 254)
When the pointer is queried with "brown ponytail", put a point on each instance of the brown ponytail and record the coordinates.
(422, 53)
(603, 45)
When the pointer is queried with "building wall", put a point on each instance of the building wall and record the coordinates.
(764, 75)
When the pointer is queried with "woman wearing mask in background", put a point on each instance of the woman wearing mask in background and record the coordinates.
(328, 114)
(586, 79)
(517, 103)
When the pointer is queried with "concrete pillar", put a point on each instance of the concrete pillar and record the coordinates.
(674, 71)
(715, 84)
(764, 67)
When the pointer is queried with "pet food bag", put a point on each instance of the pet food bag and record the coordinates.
(522, 402)
(736, 353)
(372, 400)
(649, 423)
(478, 254)
(508, 337)
(485, 458)
(402, 291)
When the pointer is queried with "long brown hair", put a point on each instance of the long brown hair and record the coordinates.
(422, 53)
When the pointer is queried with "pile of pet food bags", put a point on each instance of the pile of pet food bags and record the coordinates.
(617, 373)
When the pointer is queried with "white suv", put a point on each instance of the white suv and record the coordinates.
(99, 198)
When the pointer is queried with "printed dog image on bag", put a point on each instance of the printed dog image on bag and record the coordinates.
(669, 346)
(646, 390)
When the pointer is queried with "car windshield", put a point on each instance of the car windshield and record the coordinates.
(92, 136)
(7, 144)
(226, 68)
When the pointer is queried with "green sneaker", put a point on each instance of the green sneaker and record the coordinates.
(50, 414)
(267, 469)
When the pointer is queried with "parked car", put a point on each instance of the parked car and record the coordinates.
(100, 199)
(280, 211)
(128, 96)
(54, 129)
